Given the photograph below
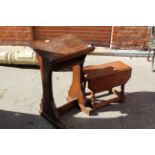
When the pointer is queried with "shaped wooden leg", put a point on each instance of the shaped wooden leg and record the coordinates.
(47, 106)
(76, 91)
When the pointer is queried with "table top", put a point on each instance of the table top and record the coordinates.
(61, 48)
(105, 69)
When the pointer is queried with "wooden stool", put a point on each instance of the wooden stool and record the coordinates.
(105, 77)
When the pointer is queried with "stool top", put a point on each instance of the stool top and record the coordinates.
(61, 48)
(105, 69)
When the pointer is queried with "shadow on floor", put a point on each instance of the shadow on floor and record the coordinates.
(138, 112)
(16, 120)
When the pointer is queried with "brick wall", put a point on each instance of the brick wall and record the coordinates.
(116, 37)
(129, 37)
(15, 34)
(98, 35)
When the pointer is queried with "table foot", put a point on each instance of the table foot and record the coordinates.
(56, 123)
(87, 110)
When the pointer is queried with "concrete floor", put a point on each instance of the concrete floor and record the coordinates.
(21, 91)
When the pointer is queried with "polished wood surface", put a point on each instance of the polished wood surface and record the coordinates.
(56, 54)
(105, 77)
(104, 69)
(110, 75)
(61, 48)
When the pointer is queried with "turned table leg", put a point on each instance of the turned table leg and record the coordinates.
(122, 94)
